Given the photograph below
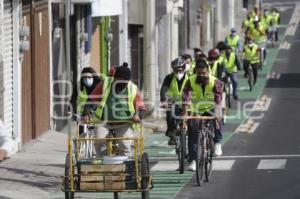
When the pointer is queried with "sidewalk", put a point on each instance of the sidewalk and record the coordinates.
(35, 172)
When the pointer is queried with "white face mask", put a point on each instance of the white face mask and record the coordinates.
(179, 76)
(88, 82)
(187, 67)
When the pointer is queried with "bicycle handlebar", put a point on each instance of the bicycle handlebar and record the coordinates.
(201, 117)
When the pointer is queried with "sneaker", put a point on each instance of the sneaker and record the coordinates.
(218, 149)
(192, 166)
(235, 97)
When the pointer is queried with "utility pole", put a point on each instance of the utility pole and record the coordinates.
(150, 78)
(231, 14)
(123, 34)
(67, 24)
(217, 21)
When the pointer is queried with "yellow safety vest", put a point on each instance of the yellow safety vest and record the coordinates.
(174, 93)
(230, 63)
(251, 54)
(257, 36)
(233, 42)
(275, 16)
(202, 102)
(132, 92)
(81, 101)
(213, 69)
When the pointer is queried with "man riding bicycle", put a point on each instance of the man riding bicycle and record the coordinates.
(251, 54)
(202, 96)
(171, 94)
(259, 36)
(232, 66)
(120, 104)
(233, 40)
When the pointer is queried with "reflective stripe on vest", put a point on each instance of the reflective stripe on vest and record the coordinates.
(106, 90)
(174, 93)
(251, 54)
(230, 64)
(202, 103)
(81, 101)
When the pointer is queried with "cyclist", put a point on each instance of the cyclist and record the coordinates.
(203, 95)
(258, 34)
(89, 81)
(171, 94)
(119, 103)
(233, 40)
(276, 21)
(247, 23)
(232, 66)
(251, 54)
(188, 63)
(216, 65)
(266, 21)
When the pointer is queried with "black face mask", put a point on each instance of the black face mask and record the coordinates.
(201, 79)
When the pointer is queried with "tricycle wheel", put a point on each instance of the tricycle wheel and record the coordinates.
(116, 195)
(68, 193)
(145, 176)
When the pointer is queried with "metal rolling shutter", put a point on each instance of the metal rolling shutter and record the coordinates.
(7, 52)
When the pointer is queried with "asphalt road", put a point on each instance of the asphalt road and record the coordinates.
(264, 164)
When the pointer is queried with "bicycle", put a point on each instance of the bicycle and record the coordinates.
(92, 174)
(180, 134)
(181, 144)
(205, 147)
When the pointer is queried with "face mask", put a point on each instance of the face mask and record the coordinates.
(251, 44)
(88, 82)
(187, 67)
(179, 76)
(201, 79)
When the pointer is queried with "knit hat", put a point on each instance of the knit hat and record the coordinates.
(123, 72)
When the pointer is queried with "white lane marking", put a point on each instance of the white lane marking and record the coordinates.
(165, 166)
(271, 164)
(254, 127)
(168, 152)
(293, 24)
(222, 165)
(259, 156)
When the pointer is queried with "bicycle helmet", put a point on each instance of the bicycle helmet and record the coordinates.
(213, 54)
(178, 63)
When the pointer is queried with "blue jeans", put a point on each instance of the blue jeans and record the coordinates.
(193, 128)
(233, 78)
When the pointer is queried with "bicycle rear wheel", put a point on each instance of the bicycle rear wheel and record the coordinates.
(181, 150)
(200, 161)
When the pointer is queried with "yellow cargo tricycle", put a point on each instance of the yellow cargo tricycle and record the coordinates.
(87, 172)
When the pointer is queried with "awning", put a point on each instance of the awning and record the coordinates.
(106, 7)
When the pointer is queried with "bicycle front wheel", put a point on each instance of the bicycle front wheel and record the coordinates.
(181, 150)
(200, 161)
(209, 158)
